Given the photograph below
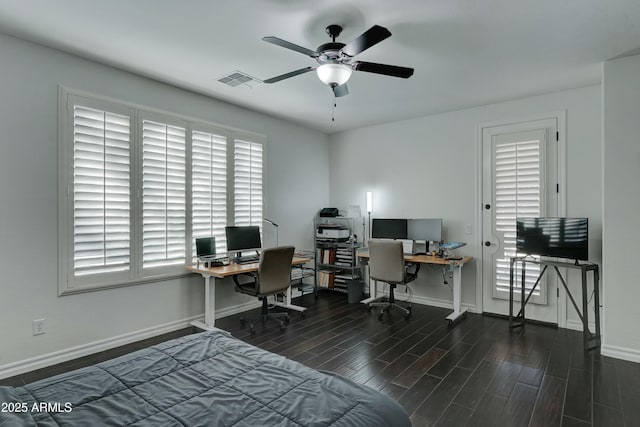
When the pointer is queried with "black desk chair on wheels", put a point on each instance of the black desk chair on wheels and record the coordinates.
(386, 264)
(273, 277)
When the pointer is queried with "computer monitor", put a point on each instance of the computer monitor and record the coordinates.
(205, 246)
(384, 228)
(243, 238)
(429, 230)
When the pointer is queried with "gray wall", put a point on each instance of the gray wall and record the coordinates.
(427, 168)
(297, 186)
(621, 207)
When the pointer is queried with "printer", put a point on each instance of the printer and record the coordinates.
(332, 231)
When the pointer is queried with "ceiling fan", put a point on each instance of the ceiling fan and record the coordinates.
(335, 60)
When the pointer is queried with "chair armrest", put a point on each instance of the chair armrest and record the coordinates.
(253, 276)
(411, 272)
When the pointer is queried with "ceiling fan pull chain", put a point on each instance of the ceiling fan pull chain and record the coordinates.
(333, 109)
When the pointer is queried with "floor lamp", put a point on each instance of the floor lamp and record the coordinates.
(369, 208)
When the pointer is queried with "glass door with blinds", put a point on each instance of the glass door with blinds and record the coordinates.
(519, 180)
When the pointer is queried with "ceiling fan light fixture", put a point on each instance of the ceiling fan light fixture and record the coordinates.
(334, 74)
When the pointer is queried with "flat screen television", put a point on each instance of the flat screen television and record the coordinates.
(553, 237)
(385, 228)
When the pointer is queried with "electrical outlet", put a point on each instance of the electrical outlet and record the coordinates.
(467, 229)
(39, 327)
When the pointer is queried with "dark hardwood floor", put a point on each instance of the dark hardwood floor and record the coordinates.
(477, 373)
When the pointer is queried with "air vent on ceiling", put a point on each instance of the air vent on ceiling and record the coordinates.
(237, 78)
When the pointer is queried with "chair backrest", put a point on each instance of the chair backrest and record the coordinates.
(386, 261)
(275, 270)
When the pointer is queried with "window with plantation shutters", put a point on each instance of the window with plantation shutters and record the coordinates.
(101, 192)
(163, 194)
(518, 193)
(209, 187)
(248, 182)
(136, 187)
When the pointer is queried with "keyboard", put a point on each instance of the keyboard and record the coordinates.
(247, 259)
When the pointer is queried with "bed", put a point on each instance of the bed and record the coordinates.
(207, 379)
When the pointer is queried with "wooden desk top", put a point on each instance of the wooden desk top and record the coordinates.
(428, 259)
(233, 269)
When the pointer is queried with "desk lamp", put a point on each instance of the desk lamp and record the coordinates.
(275, 226)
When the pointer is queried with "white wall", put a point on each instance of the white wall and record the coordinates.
(427, 168)
(297, 186)
(621, 207)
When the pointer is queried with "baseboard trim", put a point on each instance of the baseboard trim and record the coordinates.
(630, 354)
(576, 325)
(431, 301)
(60, 356)
(239, 308)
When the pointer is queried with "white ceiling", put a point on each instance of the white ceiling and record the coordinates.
(465, 52)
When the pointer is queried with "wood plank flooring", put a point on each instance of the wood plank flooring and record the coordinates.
(477, 373)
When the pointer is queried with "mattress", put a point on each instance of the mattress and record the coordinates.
(206, 379)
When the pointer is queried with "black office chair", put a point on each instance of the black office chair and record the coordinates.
(273, 277)
(386, 264)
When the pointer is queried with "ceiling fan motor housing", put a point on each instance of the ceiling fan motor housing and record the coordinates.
(329, 53)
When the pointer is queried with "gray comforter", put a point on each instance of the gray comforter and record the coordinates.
(208, 379)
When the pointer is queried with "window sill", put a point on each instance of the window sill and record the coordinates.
(79, 289)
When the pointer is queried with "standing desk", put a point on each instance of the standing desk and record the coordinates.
(455, 266)
(228, 271)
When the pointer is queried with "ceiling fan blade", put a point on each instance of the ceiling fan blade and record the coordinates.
(289, 45)
(287, 75)
(341, 90)
(387, 70)
(372, 36)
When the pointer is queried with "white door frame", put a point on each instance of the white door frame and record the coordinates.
(561, 119)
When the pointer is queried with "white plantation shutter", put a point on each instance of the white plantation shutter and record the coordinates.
(209, 187)
(101, 191)
(518, 177)
(136, 188)
(163, 194)
(248, 182)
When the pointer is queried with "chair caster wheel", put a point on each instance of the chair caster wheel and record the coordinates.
(409, 308)
(282, 326)
(407, 316)
(287, 319)
(380, 315)
(369, 308)
(252, 329)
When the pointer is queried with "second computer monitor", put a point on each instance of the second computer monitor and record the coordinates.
(205, 246)
(385, 228)
(243, 238)
(425, 229)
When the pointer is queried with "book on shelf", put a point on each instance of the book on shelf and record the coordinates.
(326, 279)
(327, 256)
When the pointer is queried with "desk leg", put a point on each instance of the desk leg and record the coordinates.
(596, 301)
(458, 311)
(373, 293)
(287, 302)
(209, 305)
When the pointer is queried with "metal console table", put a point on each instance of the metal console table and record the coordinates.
(591, 340)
